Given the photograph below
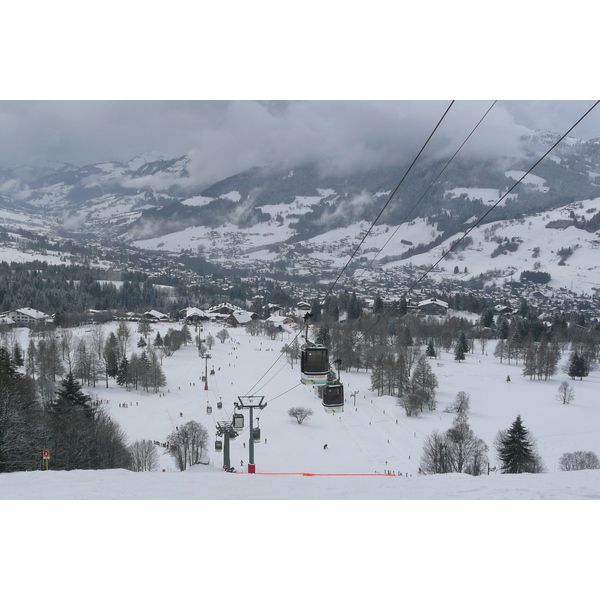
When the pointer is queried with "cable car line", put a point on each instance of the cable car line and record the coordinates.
(389, 199)
(405, 218)
(503, 197)
(370, 228)
(416, 283)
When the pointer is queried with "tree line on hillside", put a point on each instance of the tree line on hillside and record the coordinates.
(46, 409)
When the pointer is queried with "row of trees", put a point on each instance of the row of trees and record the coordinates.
(76, 431)
(458, 450)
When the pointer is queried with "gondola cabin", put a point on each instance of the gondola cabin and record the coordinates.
(218, 446)
(208, 409)
(256, 435)
(314, 365)
(219, 405)
(333, 398)
(238, 421)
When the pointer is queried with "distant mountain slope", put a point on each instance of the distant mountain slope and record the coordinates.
(294, 216)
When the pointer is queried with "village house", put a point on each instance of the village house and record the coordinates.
(433, 306)
(27, 317)
(154, 315)
(194, 315)
(240, 317)
(222, 311)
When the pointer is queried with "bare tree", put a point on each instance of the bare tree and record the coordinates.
(457, 450)
(434, 458)
(210, 341)
(187, 444)
(461, 404)
(578, 460)
(300, 413)
(565, 393)
(222, 335)
(144, 456)
(124, 337)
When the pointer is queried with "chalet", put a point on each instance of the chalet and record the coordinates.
(433, 306)
(274, 309)
(193, 315)
(279, 320)
(222, 311)
(303, 306)
(6, 322)
(241, 317)
(27, 317)
(154, 315)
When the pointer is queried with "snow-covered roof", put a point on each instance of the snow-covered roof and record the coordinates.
(194, 312)
(34, 314)
(242, 316)
(155, 314)
(433, 301)
(223, 308)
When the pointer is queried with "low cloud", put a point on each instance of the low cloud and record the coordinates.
(223, 138)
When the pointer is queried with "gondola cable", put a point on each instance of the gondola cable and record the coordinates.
(416, 283)
(414, 206)
(370, 228)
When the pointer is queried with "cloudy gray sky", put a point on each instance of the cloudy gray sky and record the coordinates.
(224, 137)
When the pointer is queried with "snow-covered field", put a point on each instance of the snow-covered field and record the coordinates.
(370, 438)
(295, 547)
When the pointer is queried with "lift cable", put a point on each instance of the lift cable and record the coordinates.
(495, 205)
(414, 206)
(502, 197)
(388, 200)
(369, 230)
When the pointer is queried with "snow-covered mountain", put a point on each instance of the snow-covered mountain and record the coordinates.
(304, 220)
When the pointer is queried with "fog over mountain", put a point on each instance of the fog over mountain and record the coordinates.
(223, 138)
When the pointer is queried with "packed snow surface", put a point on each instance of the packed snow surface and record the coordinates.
(373, 447)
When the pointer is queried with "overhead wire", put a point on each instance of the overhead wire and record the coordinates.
(495, 205)
(393, 193)
(502, 197)
(416, 204)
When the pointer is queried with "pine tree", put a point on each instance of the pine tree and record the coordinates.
(377, 305)
(459, 353)
(70, 399)
(18, 355)
(462, 342)
(123, 372)
(517, 450)
(430, 352)
(577, 366)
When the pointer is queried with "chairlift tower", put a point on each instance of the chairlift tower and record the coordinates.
(205, 357)
(249, 403)
(225, 428)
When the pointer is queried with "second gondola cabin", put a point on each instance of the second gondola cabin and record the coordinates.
(314, 365)
(333, 398)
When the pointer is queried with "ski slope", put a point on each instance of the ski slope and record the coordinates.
(373, 448)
